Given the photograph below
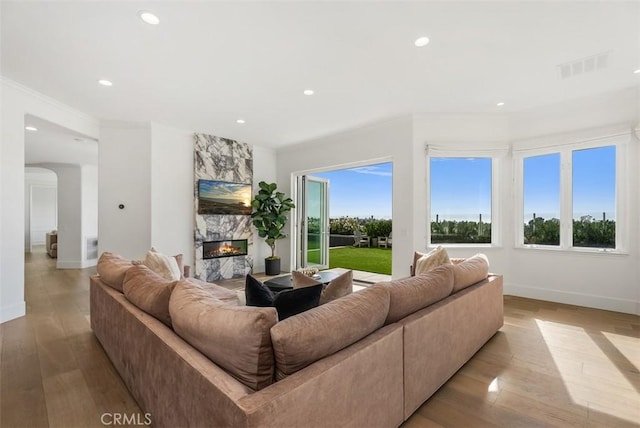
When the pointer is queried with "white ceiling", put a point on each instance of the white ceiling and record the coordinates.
(210, 63)
(52, 143)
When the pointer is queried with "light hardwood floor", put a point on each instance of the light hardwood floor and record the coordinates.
(550, 365)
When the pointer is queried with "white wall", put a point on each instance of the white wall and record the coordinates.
(607, 281)
(264, 169)
(124, 162)
(387, 141)
(16, 101)
(70, 242)
(89, 201)
(148, 167)
(44, 210)
(172, 203)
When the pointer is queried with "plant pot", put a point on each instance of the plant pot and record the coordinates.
(272, 266)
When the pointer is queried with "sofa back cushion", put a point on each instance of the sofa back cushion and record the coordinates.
(149, 292)
(220, 293)
(236, 338)
(111, 268)
(470, 271)
(408, 295)
(307, 337)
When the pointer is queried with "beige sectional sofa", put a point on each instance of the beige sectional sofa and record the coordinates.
(367, 359)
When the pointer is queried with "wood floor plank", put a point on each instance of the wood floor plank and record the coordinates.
(69, 390)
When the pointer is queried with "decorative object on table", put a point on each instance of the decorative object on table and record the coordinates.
(309, 271)
(269, 218)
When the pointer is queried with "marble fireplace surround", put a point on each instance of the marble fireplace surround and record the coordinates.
(221, 159)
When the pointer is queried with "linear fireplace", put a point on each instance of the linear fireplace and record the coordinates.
(228, 248)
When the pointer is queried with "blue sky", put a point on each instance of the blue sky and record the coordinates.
(461, 187)
(594, 184)
(360, 192)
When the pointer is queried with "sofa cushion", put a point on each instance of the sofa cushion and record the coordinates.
(236, 338)
(338, 287)
(411, 294)
(149, 292)
(228, 296)
(257, 294)
(301, 340)
(434, 258)
(163, 265)
(292, 302)
(472, 270)
(111, 268)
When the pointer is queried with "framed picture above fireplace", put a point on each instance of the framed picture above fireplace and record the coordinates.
(222, 197)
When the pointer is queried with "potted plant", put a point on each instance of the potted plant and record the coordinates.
(269, 217)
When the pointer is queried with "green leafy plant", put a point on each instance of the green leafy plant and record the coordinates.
(270, 214)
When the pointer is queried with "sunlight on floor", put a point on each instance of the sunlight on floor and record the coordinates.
(607, 359)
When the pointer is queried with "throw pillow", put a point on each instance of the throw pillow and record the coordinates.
(436, 257)
(472, 270)
(298, 300)
(257, 294)
(300, 280)
(338, 287)
(163, 265)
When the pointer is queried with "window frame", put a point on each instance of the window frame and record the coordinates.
(620, 142)
(496, 156)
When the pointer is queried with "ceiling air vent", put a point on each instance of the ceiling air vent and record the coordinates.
(584, 65)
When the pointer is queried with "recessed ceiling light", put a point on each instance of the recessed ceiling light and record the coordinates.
(421, 41)
(500, 104)
(240, 121)
(149, 17)
(30, 128)
(636, 71)
(105, 82)
(308, 92)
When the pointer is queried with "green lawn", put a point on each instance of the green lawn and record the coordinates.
(377, 260)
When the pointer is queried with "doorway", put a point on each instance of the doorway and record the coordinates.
(336, 207)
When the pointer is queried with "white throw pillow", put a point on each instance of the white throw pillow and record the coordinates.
(434, 258)
(163, 265)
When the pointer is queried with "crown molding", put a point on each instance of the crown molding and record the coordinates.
(46, 99)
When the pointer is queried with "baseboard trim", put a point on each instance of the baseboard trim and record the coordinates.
(8, 313)
(627, 306)
(76, 265)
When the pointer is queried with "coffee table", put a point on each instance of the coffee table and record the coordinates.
(284, 282)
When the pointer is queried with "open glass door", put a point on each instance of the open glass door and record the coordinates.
(313, 241)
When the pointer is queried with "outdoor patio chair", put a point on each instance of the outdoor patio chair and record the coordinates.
(360, 240)
(384, 241)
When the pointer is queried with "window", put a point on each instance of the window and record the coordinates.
(542, 200)
(460, 191)
(594, 197)
(569, 195)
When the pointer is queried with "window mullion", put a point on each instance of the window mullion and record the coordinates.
(566, 200)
